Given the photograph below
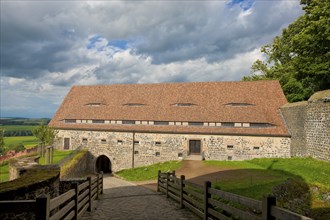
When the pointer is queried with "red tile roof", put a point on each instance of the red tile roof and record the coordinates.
(210, 101)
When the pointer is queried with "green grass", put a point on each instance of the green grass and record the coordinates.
(27, 141)
(263, 174)
(4, 172)
(18, 127)
(57, 157)
(148, 172)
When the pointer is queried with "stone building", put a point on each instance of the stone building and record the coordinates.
(131, 125)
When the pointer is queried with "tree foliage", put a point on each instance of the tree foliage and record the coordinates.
(300, 57)
(46, 135)
(2, 142)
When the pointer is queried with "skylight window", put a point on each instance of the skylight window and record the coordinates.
(134, 104)
(184, 104)
(239, 104)
(94, 104)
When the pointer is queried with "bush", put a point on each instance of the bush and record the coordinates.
(19, 147)
(294, 194)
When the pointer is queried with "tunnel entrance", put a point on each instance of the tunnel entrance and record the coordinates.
(103, 163)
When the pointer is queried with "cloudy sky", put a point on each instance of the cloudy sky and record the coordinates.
(48, 46)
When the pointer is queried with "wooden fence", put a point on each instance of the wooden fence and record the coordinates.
(70, 205)
(210, 203)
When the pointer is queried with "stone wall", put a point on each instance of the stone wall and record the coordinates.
(78, 166)
(150, 148)
(294, 114)
(309, 124)
(317, 126)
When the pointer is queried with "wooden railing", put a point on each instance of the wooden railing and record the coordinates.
(210, 203)
(70, 205)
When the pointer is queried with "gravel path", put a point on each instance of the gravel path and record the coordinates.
(125, 200)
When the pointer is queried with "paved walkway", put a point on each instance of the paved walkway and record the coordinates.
(125, 200)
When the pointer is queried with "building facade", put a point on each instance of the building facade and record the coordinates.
(126, 126)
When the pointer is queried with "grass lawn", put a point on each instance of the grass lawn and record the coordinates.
(4, 173)
(28, 141)
(18, 127)
(148, 172)
(58, 156)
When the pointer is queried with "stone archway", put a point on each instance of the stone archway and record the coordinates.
(103, 163)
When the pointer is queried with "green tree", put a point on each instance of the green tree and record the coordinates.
(46, 135)
(2, 142)
(300, 57)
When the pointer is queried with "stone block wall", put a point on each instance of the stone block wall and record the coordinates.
(294, 114)
(127, 149)
(317, 126)
(80, 168)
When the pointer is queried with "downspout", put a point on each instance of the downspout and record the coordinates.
(133, 150)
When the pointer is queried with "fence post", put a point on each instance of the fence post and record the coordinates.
(158, 176)
(173, 172)
(167, 180)
(89, 179)
(101, 182)
(207, 185)
(97, 186)
(75, 187)
(267, 203)
(182, 179)
(42, 210)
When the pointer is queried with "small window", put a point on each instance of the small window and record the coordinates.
(158, 143)
(228, 124)
(239, 104)
(230, 147)
(256, 148)
(103, 141)
(70, 121)
(184, 104)
(179, 154)
(157, 154)
(134, 104)
(196, 123)
(136, 152)
(98, 121)
(230, 158)
(94, 104)
(119, 141)
(84, 140)
(136, 142)
(161, 123)
(66, 143)
(128, 122)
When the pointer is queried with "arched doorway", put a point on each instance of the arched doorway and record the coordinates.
(103, 163)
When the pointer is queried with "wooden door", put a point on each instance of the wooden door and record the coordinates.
(66, 143)
(195, 147)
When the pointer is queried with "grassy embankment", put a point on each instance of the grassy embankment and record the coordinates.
(58, 156)
(148, 172)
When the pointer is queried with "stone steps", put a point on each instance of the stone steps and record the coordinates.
(193, 157)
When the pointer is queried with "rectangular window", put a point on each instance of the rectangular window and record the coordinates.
(128, 122)
(260, 125)
(98, 121)
(136, 152)
(195, 123)
(256, 148)
(230, 147)
(161, 123)
(103, 141)
(228, 124)
(84, 140)
(70, 121)
(179, 154)
(158, 143)
(157, 154)
(230, 158)
(136, 142)
(119, 141)
(66, 143)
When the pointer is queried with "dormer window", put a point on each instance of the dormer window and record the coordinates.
(184, 104)
(238, 104)
(260, 125)
(94, 104)
(70, 121)
(134, 104)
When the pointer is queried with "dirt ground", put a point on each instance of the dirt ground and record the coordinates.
(194, 171)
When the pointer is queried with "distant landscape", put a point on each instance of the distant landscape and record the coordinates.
(18, 132)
